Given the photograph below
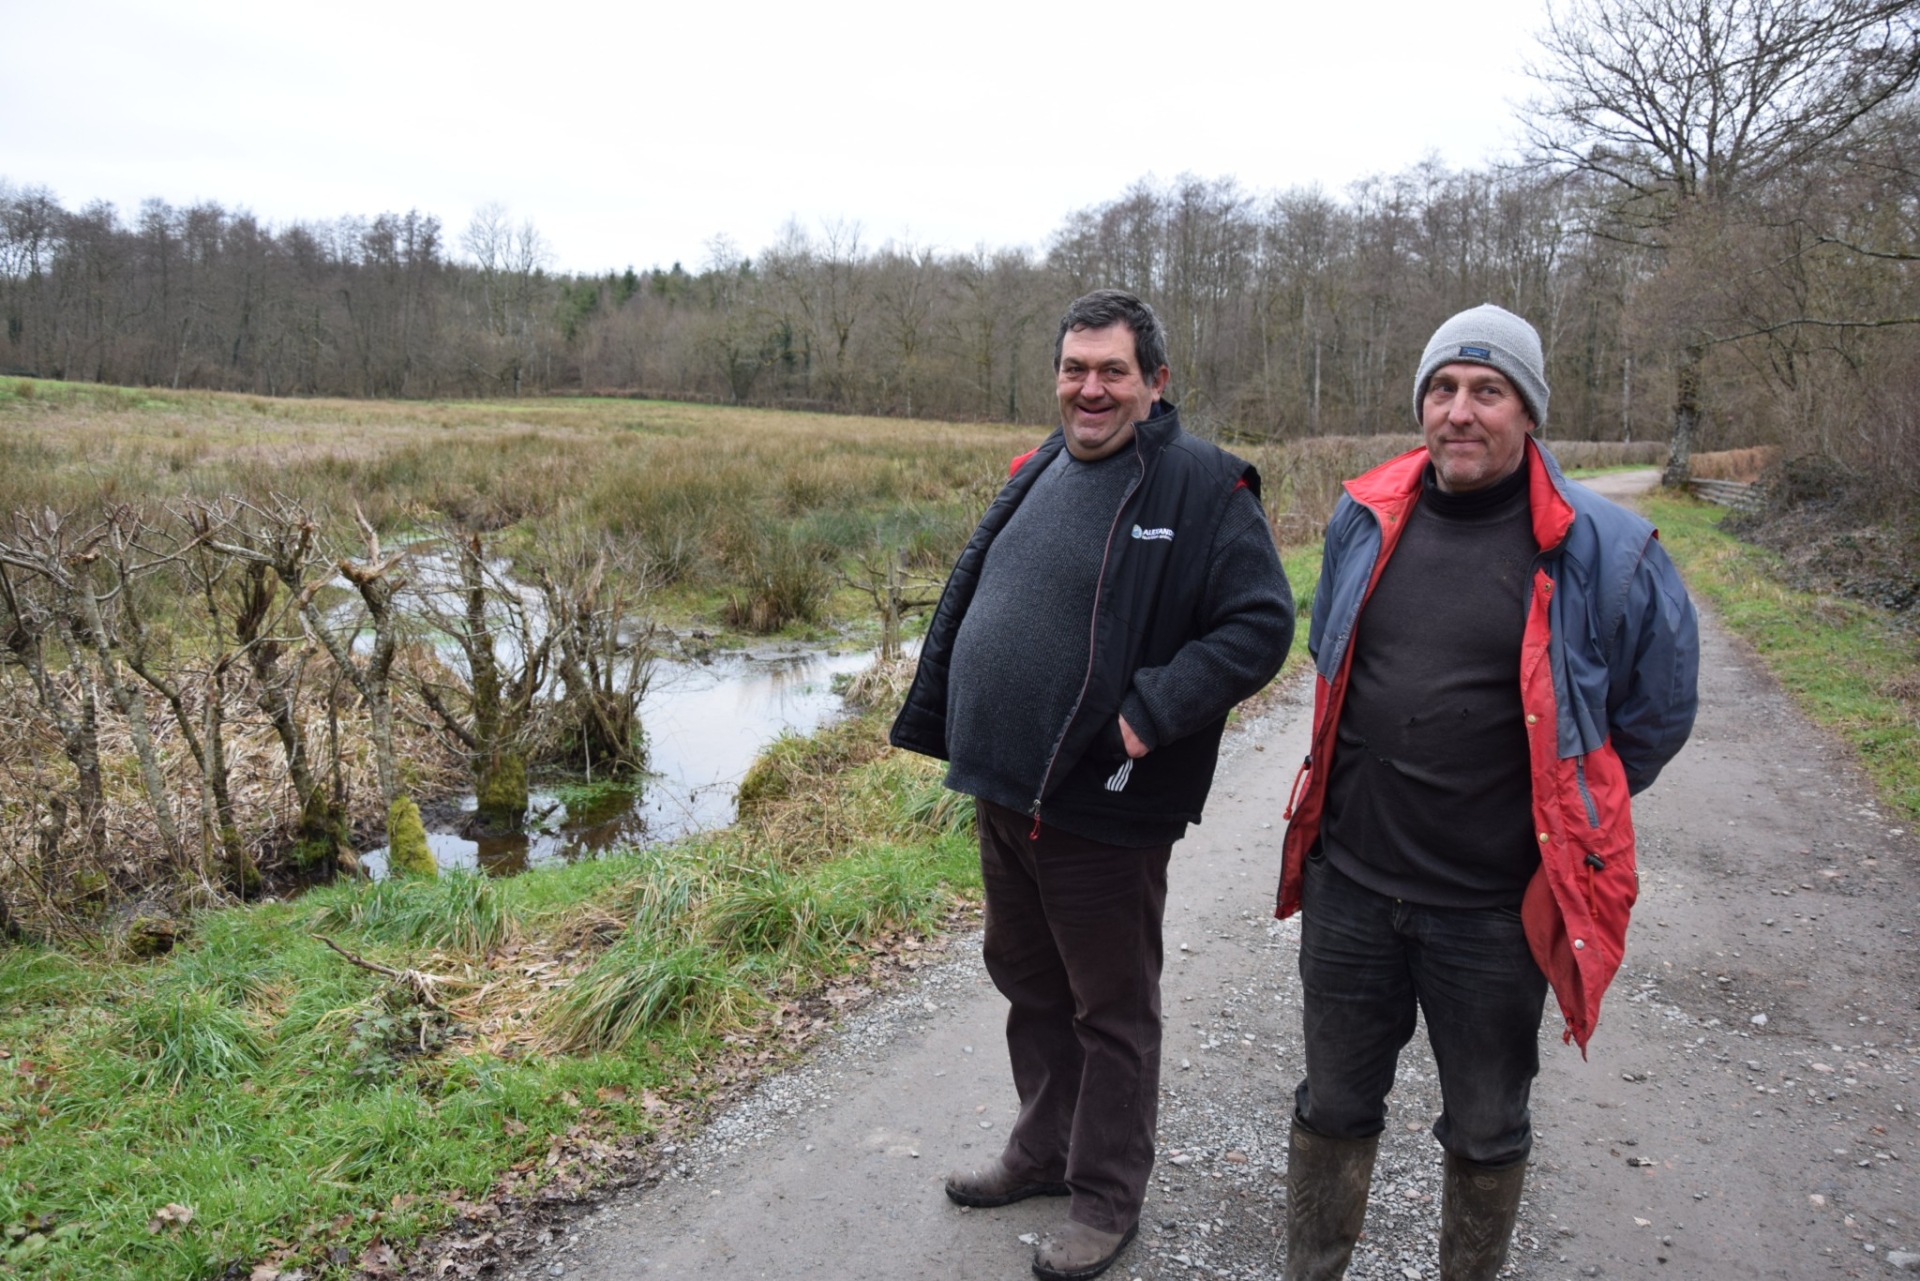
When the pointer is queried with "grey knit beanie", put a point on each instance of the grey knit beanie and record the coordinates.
(1495, 337)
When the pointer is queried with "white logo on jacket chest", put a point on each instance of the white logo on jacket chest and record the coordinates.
(1160, 535)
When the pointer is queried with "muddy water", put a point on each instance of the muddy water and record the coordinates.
(705, 722)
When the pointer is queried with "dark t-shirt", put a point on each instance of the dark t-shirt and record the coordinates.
(1430, 799)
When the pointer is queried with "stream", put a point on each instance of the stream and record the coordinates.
(705, 723)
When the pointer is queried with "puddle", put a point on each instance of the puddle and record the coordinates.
(705, 723)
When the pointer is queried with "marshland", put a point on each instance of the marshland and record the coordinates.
(253, 640)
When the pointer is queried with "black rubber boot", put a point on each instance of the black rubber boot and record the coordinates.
(1478, 1204)
(1327, 1182)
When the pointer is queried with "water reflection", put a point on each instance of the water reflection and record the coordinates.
(705, 722)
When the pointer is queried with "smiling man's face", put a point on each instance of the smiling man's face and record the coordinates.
(1476, 426)
(1102, 390)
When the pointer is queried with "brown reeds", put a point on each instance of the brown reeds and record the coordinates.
(1744, 465)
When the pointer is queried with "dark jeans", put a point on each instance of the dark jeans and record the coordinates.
(1365, 962)
(1073, 942)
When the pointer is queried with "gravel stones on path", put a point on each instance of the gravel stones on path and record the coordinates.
(1750, 1105)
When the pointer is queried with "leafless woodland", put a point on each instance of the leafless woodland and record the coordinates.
(1714, 227)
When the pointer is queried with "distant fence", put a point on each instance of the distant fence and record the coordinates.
(1727, 493)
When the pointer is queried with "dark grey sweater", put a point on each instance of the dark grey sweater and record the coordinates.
(1021, 653)
(1430, 796)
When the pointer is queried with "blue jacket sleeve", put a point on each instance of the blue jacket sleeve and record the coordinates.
(1323, 591)
(1656, 670)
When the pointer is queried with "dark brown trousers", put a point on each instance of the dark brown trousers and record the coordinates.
(1073, 942)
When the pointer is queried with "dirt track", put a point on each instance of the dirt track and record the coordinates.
(1749, 1108)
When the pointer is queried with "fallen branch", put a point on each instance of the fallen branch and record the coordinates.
(423, 987)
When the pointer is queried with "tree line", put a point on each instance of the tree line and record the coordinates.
(1714, 230)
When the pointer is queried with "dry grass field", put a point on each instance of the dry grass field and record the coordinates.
(707, 495)
(708, 492)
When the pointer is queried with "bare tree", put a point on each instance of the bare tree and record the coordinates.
(906, 292)
(511, 264)
(277, 545)
(85, 603)
(896, 592)
(1686, 106)
(505, 655)
(735, 338)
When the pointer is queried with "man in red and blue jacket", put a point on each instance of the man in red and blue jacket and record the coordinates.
(1504, 658)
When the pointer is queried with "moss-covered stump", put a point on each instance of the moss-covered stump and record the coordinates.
(149, 935)
(500, 788)
(407, 850)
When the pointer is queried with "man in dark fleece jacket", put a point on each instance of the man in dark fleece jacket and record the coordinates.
(1117, 600)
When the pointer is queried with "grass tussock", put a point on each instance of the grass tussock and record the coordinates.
(640, 984)
(458, 911)
(880, 686)
(281, 1093)
(194, 1036)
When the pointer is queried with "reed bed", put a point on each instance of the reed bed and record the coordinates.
(1744, 465)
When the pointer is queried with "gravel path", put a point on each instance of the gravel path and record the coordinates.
(1749, 1108)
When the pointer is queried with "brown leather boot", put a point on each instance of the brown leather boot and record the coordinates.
(1327, 1181)
(994, 1184)
(1074, 1251)
(1478, 1204)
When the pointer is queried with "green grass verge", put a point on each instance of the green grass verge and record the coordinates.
(1303, 574)
(284, 1096)
(1846, 664)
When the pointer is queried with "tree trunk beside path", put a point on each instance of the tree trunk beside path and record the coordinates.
(1763, 862)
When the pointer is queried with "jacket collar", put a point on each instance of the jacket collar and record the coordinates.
(1159, 428)
(1391, 489)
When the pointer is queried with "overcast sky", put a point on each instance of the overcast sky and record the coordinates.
(633, 134)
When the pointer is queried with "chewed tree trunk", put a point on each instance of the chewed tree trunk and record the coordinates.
(377, 584)
(500, 791)
(603, 662)
(133, 705)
